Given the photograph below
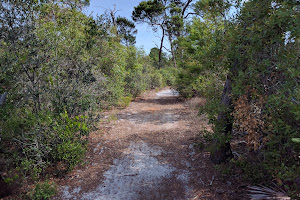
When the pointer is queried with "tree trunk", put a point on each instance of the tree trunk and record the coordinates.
(224, 124)
(161, 46)
(172, 51)
(174, 59)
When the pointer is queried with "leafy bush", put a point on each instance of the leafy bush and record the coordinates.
(43, 191)
(156, 80)
(135, 82)
(169, 75)
(48, 139)
(71, 140)
(71, 152)
(124, 101)
(57, 66)
(257, 49)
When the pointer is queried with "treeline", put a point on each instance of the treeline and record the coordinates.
(59, 67)
(243, 56)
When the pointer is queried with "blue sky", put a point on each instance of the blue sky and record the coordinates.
(145, 37)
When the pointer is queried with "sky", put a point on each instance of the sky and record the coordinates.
(145, 37)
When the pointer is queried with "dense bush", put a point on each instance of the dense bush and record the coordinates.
(59, 66)
(258, 50)
(135, 81)
(41, 139)
(169, 75)
(43, 191)
(140, 74)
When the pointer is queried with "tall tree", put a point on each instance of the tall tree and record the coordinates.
(151, 12)
(122, 28)
(166, 15)
(126, 30)
(203, 67)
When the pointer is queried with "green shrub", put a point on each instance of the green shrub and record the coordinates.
(124, 101)
(169, 75)
(156, 79)
(71, 139)
(35, 141)
(71, 152)
(43, 191)
(135, 81)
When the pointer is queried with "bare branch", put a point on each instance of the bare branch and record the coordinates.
(185, 7)
(102, 7)
(167, 49)
(189, 14)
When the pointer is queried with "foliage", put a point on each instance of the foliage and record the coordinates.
(256, 47)
(201, 67)
(59, 66)
(126, 29)
(154, 55)
(167, 16)
(264, 86)
(149, 11)
(141, 75)
(124, 101)
(169, 75)
(45, 139)
(43, 191)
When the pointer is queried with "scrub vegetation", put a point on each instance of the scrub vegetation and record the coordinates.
(61, 68)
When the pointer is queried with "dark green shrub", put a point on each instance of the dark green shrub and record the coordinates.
(47, 139)
(71, 137)
(43, 191)
(71, 152)
(169, 75)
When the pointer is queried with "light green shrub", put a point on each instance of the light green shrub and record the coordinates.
(43, 191)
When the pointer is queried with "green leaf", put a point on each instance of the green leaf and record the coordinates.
(296, 140)
(50, 79)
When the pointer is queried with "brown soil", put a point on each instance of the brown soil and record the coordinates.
(167, 125)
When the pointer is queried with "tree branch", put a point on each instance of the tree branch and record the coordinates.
(189, 14)
(167, 49)
(185, 7)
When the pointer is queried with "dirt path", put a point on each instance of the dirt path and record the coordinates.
(147, 151)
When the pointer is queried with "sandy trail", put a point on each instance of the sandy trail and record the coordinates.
(148, 151)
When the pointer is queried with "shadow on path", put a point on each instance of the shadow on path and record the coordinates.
(161, 101)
